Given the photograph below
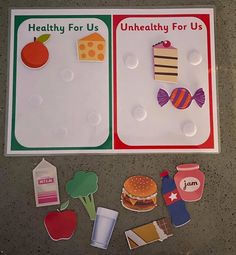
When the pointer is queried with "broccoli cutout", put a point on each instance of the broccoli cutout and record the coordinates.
(83, 186)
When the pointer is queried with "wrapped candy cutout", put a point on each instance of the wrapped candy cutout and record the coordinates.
(181, 98)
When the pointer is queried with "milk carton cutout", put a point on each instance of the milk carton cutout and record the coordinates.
(189, 182)
(45, 184)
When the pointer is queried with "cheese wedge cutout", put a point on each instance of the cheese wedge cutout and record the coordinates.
(91, 48)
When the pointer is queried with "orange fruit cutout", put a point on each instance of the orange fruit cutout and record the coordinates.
(35, 54)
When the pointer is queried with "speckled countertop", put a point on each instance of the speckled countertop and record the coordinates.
(213, 226)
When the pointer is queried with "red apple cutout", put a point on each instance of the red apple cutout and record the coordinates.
(35, 54)
(61, 224)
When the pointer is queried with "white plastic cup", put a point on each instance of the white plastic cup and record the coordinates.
(103, 227)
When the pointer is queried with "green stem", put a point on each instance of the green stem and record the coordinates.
(93, 204)
(87, 200)
(91, 209)
(89, 206)
(83, 202)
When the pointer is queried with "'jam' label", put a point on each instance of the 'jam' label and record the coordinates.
(190, 184)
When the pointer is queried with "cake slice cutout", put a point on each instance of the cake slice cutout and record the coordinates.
(165, 62)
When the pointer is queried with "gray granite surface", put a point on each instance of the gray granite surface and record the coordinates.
(213, 226)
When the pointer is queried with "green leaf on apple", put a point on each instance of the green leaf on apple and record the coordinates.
(43, 38)
(64, 205)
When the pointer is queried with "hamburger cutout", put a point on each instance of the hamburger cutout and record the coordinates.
(139, 194)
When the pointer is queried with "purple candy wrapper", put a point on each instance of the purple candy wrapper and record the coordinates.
(162, 97)
(199, 97)
(181, 98)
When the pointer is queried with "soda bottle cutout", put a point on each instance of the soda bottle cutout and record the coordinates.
(176, 206)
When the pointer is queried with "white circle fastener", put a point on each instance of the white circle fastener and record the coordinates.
(139, 113)
(131, 61)
(194, 57)
(189, 129)
(67, 75)
(94, 118)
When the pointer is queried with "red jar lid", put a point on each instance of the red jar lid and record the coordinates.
(187, 167)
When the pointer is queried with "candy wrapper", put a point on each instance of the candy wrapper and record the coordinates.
(155, 231)
(181, 98)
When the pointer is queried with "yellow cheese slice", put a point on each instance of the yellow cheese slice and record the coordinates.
(132, 201)
(91, 48)
(154, 200)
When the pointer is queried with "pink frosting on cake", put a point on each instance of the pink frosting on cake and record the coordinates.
(160, 45)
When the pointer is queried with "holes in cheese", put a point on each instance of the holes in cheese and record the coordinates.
(91, 48)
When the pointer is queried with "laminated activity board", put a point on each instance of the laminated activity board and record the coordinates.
(112, 81)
